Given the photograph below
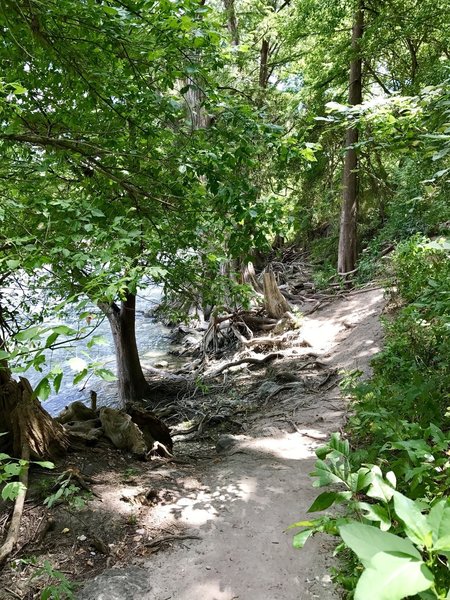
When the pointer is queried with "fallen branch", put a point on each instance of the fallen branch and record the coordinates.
(13, 532)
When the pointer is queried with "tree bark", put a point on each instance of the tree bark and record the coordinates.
(347, 252)
(275, 303)
(232, 21)
(132, 385)
(26, 422)
(263, 64)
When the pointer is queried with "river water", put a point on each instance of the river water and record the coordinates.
(153, 343)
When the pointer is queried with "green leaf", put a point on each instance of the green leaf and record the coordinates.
(442, 544)
(366, 541)
(439, 519)
(28, 334)
(300, 539)
(64, 330)
(106, 374)
(360, 480)
(12, 490)
(323, 501)
(80, 376)
(97, 340)
(51, 339)
(392, 576)
(324, 474)
(109, 10)
(19, 89)
(379, 489)
(12, 264)
(44, 464)
(12, 469)
(377, 513)
(326, 499)
(57, 382)
(416, 526)
(43, 389)
(4, 354)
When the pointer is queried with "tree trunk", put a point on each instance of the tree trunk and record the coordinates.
(347, 253)
(275, 303)
(232, 21)
(26, 422)
(132, 385)
(263, 64)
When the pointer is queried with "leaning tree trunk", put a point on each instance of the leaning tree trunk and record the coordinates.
(25, 421)
(347, 252)
(122, 319)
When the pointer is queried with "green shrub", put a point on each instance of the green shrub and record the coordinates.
(394, 484)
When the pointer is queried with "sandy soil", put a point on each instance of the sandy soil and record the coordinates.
(242, 501)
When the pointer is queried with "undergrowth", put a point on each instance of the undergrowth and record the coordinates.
(391, 475)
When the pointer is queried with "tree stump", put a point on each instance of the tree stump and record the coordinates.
(27, 422)
(275, 303)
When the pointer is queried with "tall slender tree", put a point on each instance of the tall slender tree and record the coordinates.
(347, 251)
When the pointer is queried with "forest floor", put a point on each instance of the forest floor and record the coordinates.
(210, 524)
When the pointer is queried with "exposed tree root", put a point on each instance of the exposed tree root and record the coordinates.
(249, 360)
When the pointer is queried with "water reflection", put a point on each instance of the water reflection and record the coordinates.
(153, 343)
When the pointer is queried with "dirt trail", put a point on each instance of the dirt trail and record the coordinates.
(242, 498)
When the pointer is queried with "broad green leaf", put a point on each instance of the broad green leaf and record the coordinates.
(12, 264)
(326, 499)
(28, 334)
(337, 443)
(324, 474)
(380, 490)
(44, 464)
(4, 456)
(377, 513)
(64, 330)
(109, 10)
(416, 526)
(442, 544)
(43, 389)
(106, 374)
(366, 541)
(4, 354)
(12, 469)
(19, 89)
(360, 480)
(392, 576)
(323, 501)
(439, 519)
(57, 382)
(80, 376)
(300, 539)
(51, 339)
(12, 490)
(97, 340)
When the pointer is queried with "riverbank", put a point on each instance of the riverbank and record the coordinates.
(211, 523)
